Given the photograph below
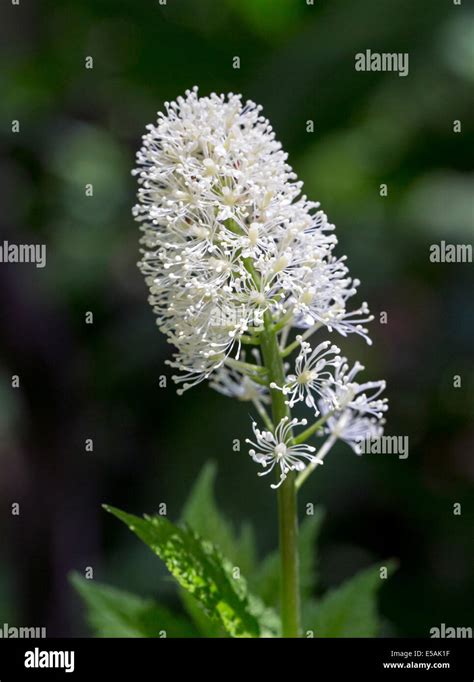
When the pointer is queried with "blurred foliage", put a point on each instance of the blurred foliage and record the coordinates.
(348, 611)
(100, 381)
(202, 514)
(114, 613)
(214, 587)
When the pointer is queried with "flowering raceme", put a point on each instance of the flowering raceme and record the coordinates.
(234, 254)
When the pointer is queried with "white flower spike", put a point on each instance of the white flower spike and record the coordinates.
(233, 253)
(215, 192)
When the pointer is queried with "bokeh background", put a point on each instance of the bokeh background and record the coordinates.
(101, 381)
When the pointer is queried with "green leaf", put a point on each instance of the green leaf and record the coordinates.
(269, 620)
(201, 513)
(200, 569)
(115, 613)
(206, 626)
(267, 579)
(349, 610)
(308, 536)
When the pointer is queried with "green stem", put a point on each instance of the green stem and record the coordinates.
(250, 340)
(264, 415)
(323, 451)
(239, 364)
(307, 433)
(287, 504)
(287, 507)
(283, 322)
(302, 337)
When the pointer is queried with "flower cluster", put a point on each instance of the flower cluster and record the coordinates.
(353, 412)
(230, 246)
(215, 191)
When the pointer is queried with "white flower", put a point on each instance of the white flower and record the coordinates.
(355, 410)
(324, 302)
(275, 450)
(341, 392)
(311, 373)
(225, 227)
(234, 384)
(352, 428)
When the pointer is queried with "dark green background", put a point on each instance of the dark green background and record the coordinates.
(100, 381)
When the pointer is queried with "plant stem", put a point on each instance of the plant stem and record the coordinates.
(243, 366)
(287, 507)
(307, 433)
(264, 415)
(302, 337)
(323, 451)
(250, 340)
(289, 559)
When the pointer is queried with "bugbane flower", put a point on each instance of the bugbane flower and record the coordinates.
(354, 412)
(312, 373)
(233, 252)
(342, 392)
(353, 428)
(234, 384)
(226, 227)
(275, 449)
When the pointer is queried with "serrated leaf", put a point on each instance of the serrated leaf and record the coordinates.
(114, 613)
(349, 610)
(200, 569)
(202, 514)
(267, 579)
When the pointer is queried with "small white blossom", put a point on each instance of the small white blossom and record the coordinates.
(355, 410)
(234, 384)
(311, 374)
(352, 428)
(342, 392)
(275, 449)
